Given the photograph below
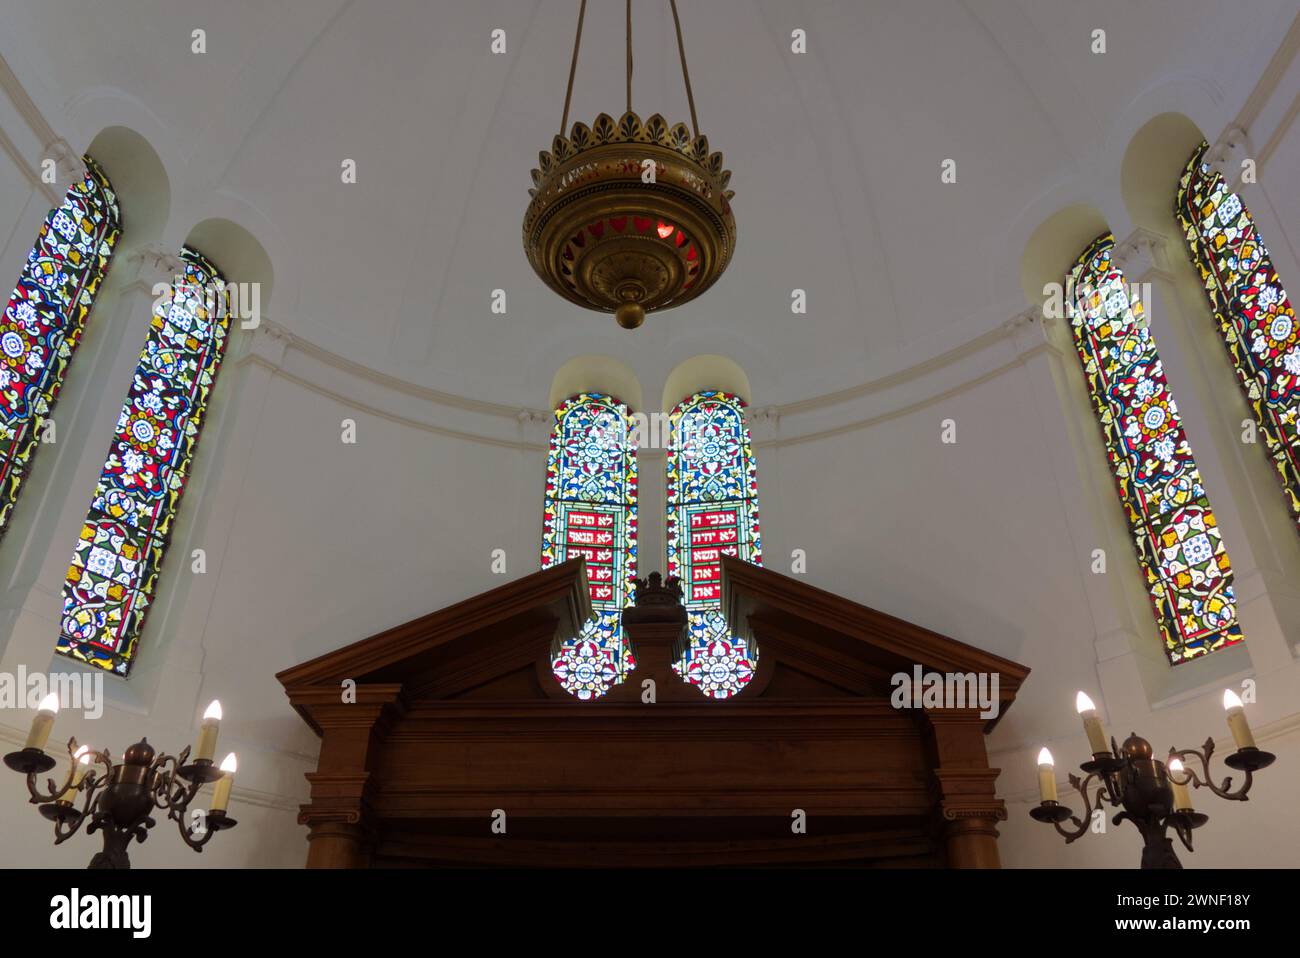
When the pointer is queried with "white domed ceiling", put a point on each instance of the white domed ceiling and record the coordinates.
(836, 156)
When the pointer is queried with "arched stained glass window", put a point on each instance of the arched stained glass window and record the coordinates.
(591, 513)
(110, 584)
(45, 316)
(712, 497)
(1255, 317)
(1174, 530)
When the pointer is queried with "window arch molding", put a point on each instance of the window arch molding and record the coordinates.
(1173, 526)
(1260, 525)
(46, 315)
(590, 512)
(596, 373)
(1120, 605)
(152, 493)
(127, 161)
(1253, 312)
(711, 497)
(143, 185)
(705, 372)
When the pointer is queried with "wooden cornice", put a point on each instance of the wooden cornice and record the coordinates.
(848, 719)
(427, 727)
(910, 846)
(752, 595)
(558, 594)
(365, 707)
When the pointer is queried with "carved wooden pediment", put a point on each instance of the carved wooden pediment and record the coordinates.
(842, 644)
(456, 728)
(473, 643)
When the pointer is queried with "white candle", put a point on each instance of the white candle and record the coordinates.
(221, 794)
(43, 724)
(1046, 776)
(1237, 723)
(1182, 798)
(207, 744)
(80, 763)
(1091, 724)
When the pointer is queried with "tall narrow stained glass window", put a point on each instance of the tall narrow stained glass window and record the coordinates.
(591, 512)
(712, 494)
(1189, 578)
(1254, 314)
(45, 317)
(114, 573)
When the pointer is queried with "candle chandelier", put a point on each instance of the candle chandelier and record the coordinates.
(120, 800)
(629, 216)
(1151, 794)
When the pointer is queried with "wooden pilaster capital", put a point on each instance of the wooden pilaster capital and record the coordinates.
(370, 706)
(337, 797)
(319, 818)
(967, 829)
(968, 794)
(974, 811)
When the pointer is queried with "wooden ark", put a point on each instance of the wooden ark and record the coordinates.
(457, 715)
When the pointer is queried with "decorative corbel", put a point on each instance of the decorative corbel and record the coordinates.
(764, 423)
(1141, 255)
(155, 265)
(1228, 155)
(69, 167)
(267, 344)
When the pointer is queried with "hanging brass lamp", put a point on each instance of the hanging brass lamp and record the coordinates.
(629, 216)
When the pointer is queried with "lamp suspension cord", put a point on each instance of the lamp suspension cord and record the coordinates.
(573, 67)
(686, 74)
(681, 52)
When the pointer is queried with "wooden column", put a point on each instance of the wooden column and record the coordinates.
(970, 838)
(967, 806)
(339, 817)
(334, 844)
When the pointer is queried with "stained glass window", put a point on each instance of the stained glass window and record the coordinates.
(110, 584)
(45, 316)
(712, 496)
(591, 512)
(1174, 530)
(1254, 314)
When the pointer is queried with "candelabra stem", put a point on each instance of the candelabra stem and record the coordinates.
(1157, 849)
(114, 854)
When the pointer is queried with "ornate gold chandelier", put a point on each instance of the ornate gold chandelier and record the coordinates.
(627, 216)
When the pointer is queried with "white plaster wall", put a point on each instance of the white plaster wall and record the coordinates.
(320, 543)
(312, 544)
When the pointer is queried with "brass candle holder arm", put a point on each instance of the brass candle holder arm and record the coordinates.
(1245, 760)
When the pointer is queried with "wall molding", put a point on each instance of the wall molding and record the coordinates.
(313, 367)
(1264, 90)
(401, 401)
(50, 142)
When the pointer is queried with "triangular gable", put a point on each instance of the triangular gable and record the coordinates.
(478, 639)
(819, 627)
